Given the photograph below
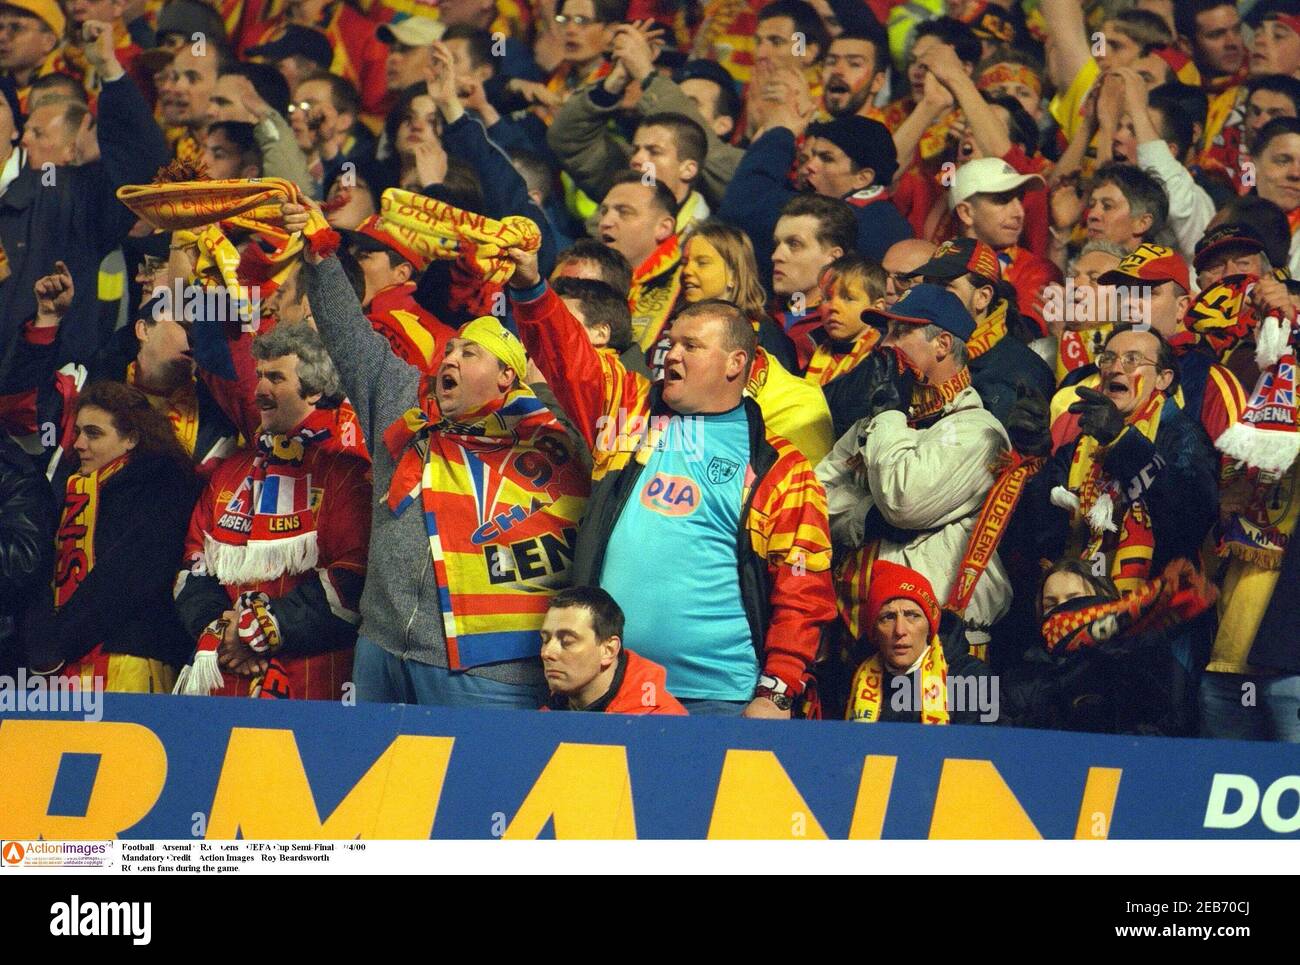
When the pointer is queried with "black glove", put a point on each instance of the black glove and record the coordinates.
(889, 382)
(1098, 416)
(1029, 423)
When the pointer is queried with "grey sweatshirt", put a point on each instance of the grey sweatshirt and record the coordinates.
(400, 611)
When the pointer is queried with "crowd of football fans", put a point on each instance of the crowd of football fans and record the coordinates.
(924, 361)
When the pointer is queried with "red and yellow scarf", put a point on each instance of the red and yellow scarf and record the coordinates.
(501, 496)
(829, 361)
(1178, 595)
(1013, 471)
(656, 285)
(1129, 544)
(929, 400)
(74, 555)
(869, 688)
(988, 331)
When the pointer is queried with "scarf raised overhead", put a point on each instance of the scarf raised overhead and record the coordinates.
(435, 229)
(501, 496)
(268, 528)
(254, 204)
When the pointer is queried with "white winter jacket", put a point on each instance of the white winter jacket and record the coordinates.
(932, 481)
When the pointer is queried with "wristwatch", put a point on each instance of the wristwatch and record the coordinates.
(775, 690)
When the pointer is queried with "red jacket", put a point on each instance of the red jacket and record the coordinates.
(1029, 274)
(417, 336)
(639, 687)
(317, 610)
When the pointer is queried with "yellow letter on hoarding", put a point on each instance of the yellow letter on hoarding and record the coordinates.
(263, 790)
(757, 800)
(132, 769)
(587, 789)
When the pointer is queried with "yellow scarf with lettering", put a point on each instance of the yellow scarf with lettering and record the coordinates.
(75, 540)
(1129, 545)
(869, 688)
(988, 331)
(435, 229)
(181, 408)
(929, 400)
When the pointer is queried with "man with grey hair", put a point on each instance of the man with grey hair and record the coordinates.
(275, 558)
(908, 481)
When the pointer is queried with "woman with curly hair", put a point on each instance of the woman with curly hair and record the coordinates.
(107, 610)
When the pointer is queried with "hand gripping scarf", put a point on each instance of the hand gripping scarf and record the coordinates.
(435, 229)
(1091, 496)
(501, 497)
(1178, 595)
(869, 688)
(197, 210)
(1220, 319)
(268, 528)
(1266, 437)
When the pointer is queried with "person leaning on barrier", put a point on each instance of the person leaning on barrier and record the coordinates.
(588, 668)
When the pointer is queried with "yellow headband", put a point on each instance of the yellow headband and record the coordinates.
(499, 340)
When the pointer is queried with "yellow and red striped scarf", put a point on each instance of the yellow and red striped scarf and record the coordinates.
(501, 496)
(869, 688)
(181, 408)
(1128, 546)
(827, 364)
(929, 400)
(656, 284)
(75, 541)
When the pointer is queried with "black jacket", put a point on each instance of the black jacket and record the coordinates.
(26, 542)
(1003, 369)
(125, 602)
(72, 214)
(1177, 473)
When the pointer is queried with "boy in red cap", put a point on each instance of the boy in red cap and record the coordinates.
(392, 270)
(902, 621)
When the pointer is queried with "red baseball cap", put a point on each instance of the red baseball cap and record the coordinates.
(1152, 264)
(373, 234)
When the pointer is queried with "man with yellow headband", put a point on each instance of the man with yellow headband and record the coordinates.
(479, 497)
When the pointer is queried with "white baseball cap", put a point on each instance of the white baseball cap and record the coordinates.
(987, 175)
(412, 31)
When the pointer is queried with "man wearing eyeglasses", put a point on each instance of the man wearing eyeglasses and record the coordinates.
(1156, 285)
(1138, 488)
(30, 32)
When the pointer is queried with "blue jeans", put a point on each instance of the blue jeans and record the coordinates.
(383, 678)
(1272, 711)
(700, 707)
(1282, 702)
